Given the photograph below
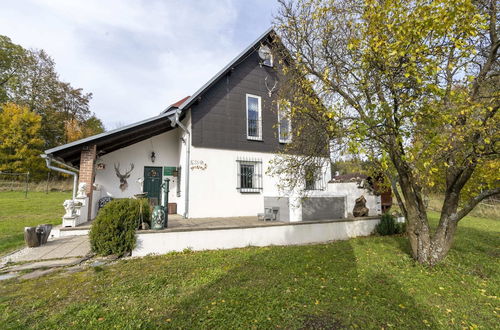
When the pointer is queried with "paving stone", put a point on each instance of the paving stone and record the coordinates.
(47, 264)
(8, 276)
(37, 273)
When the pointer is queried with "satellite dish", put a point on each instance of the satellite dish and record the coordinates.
(265, 53)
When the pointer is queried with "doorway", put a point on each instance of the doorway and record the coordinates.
(152, 183)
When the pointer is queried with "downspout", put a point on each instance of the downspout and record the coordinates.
(174, 120)
(48, 161)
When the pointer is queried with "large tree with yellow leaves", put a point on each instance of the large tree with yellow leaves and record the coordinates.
(411, 84)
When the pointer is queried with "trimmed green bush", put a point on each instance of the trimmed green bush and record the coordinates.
(113, 230)
(389, 226)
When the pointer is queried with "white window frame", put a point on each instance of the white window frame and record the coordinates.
(289, 139)
(259, 118)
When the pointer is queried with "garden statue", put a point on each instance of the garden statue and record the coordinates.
(69, 207)
(82, 190)
(360, 209)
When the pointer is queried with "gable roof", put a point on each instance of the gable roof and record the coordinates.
(227, 68)
(136, 132)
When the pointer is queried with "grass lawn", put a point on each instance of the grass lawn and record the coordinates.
(17, 212)
(366, 282)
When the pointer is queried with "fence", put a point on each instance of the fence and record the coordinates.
(15, 181)
(10, 181)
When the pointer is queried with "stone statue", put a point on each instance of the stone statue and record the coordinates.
(69, 206)
(82, 190)
(360, 209)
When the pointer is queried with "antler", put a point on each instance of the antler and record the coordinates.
(272, 89)
(128, 172)
(117, 169)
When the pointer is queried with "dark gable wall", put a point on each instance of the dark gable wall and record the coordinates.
(219, 118)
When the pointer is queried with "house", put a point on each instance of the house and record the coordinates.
(214, 147)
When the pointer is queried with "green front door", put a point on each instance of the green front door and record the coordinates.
(152, 183)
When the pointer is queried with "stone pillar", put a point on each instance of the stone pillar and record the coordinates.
(87, 172)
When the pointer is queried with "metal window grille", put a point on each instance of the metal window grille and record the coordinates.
(249, 178)
(254, 129)
(314, 179)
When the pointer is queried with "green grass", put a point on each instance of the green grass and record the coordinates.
(366, 282)
(17, 212)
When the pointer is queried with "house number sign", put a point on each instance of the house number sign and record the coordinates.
(198, 165)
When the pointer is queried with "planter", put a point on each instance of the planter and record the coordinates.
(36, 236)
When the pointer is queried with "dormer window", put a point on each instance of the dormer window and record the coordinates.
(254, 117)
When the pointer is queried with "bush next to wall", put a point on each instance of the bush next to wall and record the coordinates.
(389, 226)
(113, 230)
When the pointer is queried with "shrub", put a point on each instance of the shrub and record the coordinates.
(113, 230)
(389, 226)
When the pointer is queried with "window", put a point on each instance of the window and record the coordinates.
(314, 178)
(249, 178)
(284, 123)
(254, 117)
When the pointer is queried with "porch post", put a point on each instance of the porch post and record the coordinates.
(87, 172)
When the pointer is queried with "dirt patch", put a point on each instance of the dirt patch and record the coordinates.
(323, 322)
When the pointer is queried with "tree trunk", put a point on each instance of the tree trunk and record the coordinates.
(429, 250)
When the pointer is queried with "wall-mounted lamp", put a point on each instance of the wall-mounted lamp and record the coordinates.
(153, 156)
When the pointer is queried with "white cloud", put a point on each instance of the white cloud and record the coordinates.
(136, 57)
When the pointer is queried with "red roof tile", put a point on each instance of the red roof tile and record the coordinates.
(178, 103)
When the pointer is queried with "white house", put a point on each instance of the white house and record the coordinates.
(214, 146)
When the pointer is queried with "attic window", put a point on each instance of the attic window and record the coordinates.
(254, 117)
(284, 123)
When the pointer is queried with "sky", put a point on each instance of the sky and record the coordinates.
(136, 56)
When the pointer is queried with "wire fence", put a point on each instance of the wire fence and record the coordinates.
(10, 181)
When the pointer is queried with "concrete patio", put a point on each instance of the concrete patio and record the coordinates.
(57, 248)
(177, 223)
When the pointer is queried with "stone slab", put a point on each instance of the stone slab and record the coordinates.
(46, 264)
(7, 276)
(37, 273)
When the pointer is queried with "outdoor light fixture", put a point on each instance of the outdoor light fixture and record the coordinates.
(153, 156)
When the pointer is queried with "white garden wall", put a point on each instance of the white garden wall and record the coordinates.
(287, 234)
(351, 191)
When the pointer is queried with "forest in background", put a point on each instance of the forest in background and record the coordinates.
(37, 109)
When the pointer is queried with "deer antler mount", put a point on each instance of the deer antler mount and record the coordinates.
(123, 177)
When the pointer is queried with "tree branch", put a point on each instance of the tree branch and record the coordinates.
(473, 202)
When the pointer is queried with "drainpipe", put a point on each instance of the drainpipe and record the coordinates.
(174, 120)
(48, 161)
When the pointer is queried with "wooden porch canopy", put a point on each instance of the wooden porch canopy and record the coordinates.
(113, 140)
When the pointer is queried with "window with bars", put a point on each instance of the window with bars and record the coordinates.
(254, 117)
(314, 178)
(249, 178)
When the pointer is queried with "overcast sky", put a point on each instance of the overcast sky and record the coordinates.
(136, 57)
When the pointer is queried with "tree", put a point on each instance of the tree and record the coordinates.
(413, 85)
(22, 143)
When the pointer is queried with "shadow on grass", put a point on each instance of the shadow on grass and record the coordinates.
(301, 287)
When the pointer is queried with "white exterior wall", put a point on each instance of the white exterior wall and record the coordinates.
(166, 148)
(351, 191)
(213, 183)
(291, 234)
